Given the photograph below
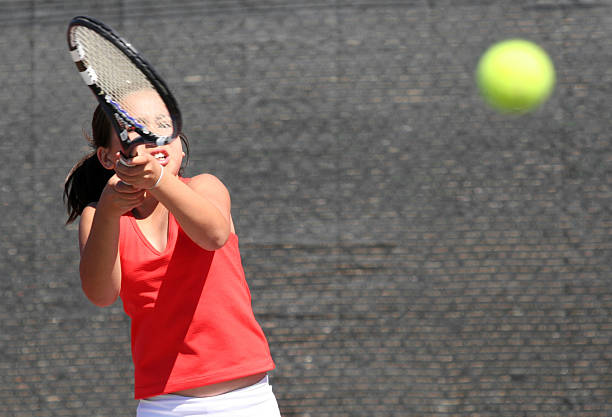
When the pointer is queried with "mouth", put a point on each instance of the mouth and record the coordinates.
(161, 156)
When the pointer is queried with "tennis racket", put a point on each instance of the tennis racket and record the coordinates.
(131, 93)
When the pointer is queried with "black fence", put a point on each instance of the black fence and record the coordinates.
(410, 252)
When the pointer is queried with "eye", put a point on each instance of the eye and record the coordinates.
(163, 122)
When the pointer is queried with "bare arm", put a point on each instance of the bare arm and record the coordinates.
(100, 268)
(201, 207)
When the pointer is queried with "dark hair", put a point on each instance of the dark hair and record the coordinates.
(87, 179)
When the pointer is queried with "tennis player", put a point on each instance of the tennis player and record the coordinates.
(167, 246)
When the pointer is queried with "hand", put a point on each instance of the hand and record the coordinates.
(119, 198)
(141, 171)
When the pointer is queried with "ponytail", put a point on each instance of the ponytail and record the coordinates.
(84, 185)
(87, 179)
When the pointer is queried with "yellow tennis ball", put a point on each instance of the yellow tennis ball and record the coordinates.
(515, 76)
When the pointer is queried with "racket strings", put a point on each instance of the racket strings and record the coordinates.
(122, 82)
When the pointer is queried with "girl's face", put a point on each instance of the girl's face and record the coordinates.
(170, 156)
(151, 112)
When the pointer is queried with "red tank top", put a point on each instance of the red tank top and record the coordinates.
(192, 323)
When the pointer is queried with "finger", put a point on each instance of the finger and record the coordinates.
(136, 152)
(131, 178)
(131, 160)
(125, 188)
(131, 200)
(126, 162)
(123, 159)
(136, 200)
(128, 169)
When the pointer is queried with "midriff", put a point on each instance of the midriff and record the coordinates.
(221, 387)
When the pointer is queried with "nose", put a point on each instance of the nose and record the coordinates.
(139, 149)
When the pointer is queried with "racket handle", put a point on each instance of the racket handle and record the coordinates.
(123, 159)
(124, 162)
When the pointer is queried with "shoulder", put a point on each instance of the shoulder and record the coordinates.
(88, 212)
(208, 184)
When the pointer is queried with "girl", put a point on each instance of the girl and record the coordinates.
(167, 246)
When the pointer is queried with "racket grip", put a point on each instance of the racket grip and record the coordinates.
(125, 162)
(123, 159)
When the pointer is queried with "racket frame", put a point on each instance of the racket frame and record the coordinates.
(118, 117)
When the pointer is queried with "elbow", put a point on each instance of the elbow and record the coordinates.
(97, 295)
(215, 240)
(218, 242)
(100, 300)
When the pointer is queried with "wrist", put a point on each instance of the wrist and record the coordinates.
(161, 175)
(107, 211)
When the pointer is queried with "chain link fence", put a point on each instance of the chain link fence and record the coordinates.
(410, 252)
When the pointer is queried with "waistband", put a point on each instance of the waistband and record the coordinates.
(178, 405)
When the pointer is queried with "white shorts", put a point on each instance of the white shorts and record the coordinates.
(254, 401)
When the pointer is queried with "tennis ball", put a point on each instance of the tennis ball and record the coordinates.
(515, 76)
